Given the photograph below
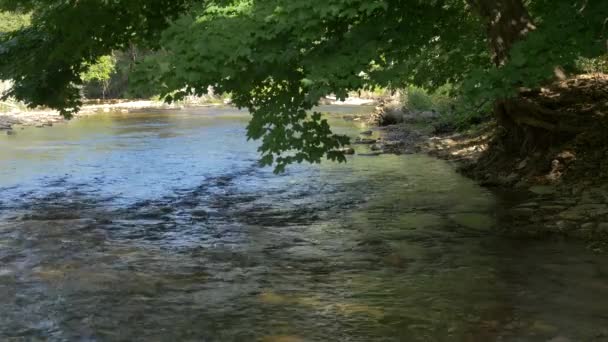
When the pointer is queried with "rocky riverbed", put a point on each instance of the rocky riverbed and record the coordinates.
(34, 118)
(546, 205)
(163, 224)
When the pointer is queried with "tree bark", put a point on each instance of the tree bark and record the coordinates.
(507, 21)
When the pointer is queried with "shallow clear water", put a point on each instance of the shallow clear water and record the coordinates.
(160, 227)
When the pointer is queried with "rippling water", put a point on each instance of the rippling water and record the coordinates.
(161, 227)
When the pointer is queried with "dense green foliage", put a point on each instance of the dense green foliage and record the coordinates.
(566, 30)
(117, 86)
(278, 58)
(101, 71)
(46, 59)
(13, 21)
(455, 112)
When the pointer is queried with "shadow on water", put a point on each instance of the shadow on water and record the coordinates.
(202, 244)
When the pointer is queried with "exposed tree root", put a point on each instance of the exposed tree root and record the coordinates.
(550, 135)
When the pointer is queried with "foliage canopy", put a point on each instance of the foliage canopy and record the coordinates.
(280, 57)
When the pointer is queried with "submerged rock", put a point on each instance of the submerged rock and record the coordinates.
(543, 189)
(199, 213)
(387, 114)
(583, 211)
(371, 154)
(376, 147)
(348, 150)
(473, 220)
(365, 141)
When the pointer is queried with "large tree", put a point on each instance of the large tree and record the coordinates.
(280, 57)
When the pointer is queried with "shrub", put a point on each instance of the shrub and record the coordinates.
(455, 112)
(593, 65)
(417, 99)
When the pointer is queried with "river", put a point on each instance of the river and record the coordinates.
(161, 226)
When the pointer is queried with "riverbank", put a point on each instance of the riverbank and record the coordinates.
(44, 118)
(18, 116)
(560, 194)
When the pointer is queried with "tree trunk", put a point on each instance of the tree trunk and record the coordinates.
(507, 22)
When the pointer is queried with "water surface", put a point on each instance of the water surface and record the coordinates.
(162, 227)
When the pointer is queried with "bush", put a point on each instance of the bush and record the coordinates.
(455, 113)
(417, 99)
(593, 65)
(464, 115)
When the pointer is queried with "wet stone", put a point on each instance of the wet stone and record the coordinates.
(371, 154)
(365, 141)
(565, 226)
(552, 207)
(348, 151)
(528, 205)
(583, 211)
(588, 225)
(4, 272)
(473, 221)
(543, 190)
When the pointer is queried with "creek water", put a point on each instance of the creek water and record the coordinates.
(162, 227)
